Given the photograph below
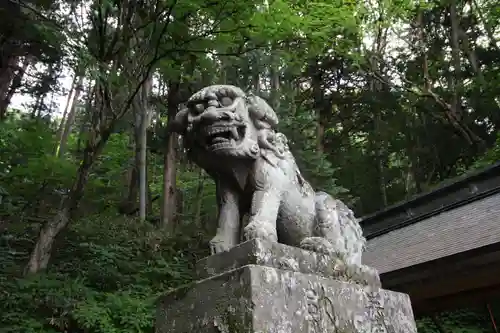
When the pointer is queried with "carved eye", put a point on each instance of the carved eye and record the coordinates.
(213, 102)
(226, 101)
(199, 108)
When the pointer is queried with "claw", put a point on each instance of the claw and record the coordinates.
(218, 245)
(317, 244)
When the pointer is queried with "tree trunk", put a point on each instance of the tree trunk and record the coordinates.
(422, 51)
(150, 199)
(37, 108)
(91, 93)
(380, 155)
(256, 76)
(63, 142)
(7, 72)
(143, 110)
(320, 133)
(169, 164)
(69, 100)
(15, 84)
(471, 55)
(378, 140)
(318, 104)
(455, 78)
(199, 200)
(169, 184)
(95, 142)
(41, 254)
(129, 204)
(275, 82)
(131, 201)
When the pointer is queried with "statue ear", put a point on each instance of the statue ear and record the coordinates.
(179, 123)
(260, 110)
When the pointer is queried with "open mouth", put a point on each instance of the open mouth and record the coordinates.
(218, 137)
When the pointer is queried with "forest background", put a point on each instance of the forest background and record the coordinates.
(101, 212)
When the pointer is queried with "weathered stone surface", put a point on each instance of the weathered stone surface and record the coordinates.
(262, 286)
(212, 305)
(260, 190)
(284, 257)
(260, 299)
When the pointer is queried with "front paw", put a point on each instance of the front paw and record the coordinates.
(260, 230)
(317, 244)
(219, 244)
(370, 276)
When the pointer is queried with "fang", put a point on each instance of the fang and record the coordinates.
(234, 133)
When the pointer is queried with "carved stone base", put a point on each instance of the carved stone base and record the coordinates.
(266, 299)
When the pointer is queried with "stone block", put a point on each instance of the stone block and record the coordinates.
(276, 255)
(244, 294)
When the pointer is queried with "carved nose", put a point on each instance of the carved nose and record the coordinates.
(210, 114)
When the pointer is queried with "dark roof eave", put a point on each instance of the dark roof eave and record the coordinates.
(459, 191)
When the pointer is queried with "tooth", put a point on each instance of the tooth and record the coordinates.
(234, 133)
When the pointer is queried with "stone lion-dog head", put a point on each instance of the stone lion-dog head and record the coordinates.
(221, 123)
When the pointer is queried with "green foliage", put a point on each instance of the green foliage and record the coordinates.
(490, 157)
(470, 320)
(28, 169)
(198, 192)
(300, 129)
(106, 276)
(353, 69)
(121, 266)
(109, 172)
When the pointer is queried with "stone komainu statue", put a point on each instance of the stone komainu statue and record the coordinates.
(232, 136)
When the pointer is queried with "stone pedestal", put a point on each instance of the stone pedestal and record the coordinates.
(262, 287)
